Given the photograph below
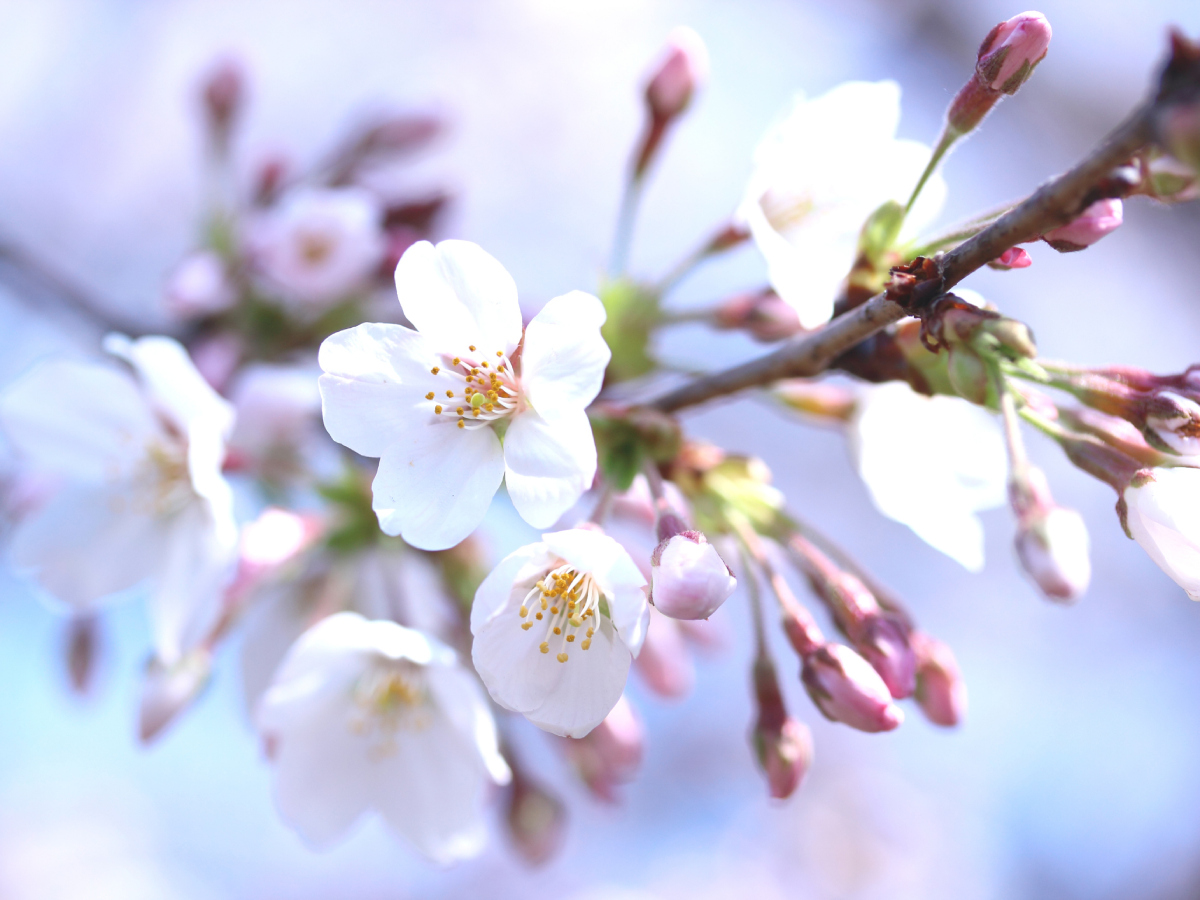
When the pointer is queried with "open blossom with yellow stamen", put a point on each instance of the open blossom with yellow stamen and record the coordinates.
(369, 714)
(556, 625)
(468, 398)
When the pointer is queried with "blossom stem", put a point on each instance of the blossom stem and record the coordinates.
(626, 217)
(1018, 460)
(1055, 203)
(726, 238)
(945, 142)
(603, 505)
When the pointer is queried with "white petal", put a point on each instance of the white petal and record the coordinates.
(87, 421)
(563, 361)
(373, 392)
(1164, 517)
(435, 484)
(590, 685)
(173, 383)
(455, 294)
(548, 464)
(457, 693)
(515, 573)
(86, 543)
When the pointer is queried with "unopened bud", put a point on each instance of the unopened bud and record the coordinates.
(1171, 180)
(762, 314)
(883, 640)
(682, 70)
(968, 373)
(782, 746)
(609, 755)
(1013, 338)
(1052, 545)
(169, 689)
(847, 689)
(199, 286)
(1173, 422)
(688, 578)
(941, 691)
(1012, 258)
(1101, 218)
(1012, 50)
(1179, 125)
(822, 400)
(536, 819)
(224, 94)
(82, 649)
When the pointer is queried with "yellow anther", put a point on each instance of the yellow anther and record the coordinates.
(554, 609)
(526, 625)
(491, 395)
(587, 642)
(435, 370)
(487, 407)
(524, 610)
(457, 360)
(570, 638)
(591, 631)
(499, 353)
(449, 393)
(462, 424)
(557, 630)
(539, 615)
(471, 348)
(545, 647)
(438, 410)
(544, 603)
(429, 396)
(575, 622)
(562, 657)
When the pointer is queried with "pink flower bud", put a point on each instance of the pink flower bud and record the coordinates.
(1179, 126)
(846, 689)
(536, 820)
(782, 746)
(1052, 545)
(1012, 50)
(610, 753)
(762, 314)
(884, 642)
(682, 70)
(941, 691)
(688, 578)
(665, 664)
(223, 95)
(217, 357)
(1099, 219)
(1175, 421)
(1012, 258)
(167, 690)
(199, 286)
(82, 649)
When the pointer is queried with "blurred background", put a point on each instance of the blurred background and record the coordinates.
(1074, 775)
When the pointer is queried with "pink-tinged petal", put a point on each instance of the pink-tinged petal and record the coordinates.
(173, 383)
(435, 484)
(456, 295)
(548, 464)
(87, 421)
(514, 576)
(86, 543)
(458, 694)
(564, 358)
(374, 386)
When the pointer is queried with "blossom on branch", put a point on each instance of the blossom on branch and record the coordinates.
(1163, 515)
(370, 714)
(556, 625)
(467, 399)
(818, 174)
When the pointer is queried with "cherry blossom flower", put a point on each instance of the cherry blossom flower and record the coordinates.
(319, 245)
(556, 625)
(689, 578)
(1163, 515)
(467, 399)
(931, 463)
(141, 497)
(818, 174)
(372, 715)
(199, 286)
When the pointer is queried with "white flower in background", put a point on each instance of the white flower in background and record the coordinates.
(372, 715)
(931, 463)
(278, 435)
(318, 245)
(433, 403)
(556, 625)
(818, 174)
(140, 497)
(199, 286)
(1163, 515)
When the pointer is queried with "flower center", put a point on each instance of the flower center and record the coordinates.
(481, 389)
(315, 247)
(567, 602)
(163, 483)
(389, 698)
(784, 209)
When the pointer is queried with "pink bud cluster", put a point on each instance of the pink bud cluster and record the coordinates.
(1006, 59)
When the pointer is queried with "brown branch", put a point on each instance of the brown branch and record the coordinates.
(1055, 203)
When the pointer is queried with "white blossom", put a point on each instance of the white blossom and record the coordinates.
(688, 577)
(141, 496)
(1163, 515)
(372, 715)
(818, 174)
(278, 435)
(199, 286)
(318, 245)
(432, 403)
(931, 463)
(556, 625)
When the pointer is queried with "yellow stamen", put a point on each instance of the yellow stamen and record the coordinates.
(435, 370)
(562, 657)
(438, 410)
(526, 625)
(545, 647)
(429, 396)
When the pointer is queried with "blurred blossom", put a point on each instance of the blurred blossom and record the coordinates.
(170, 688)
(199, 286)
(611, 753)
(427, 402)
(1178, 428)
(319, 245)
(682, 71)
(1053, 547)
(941, 691)
(536, 819)
(371, 715)
(574, 589)
(278, 435)
(1163, 515)
(217, 357)
(931, 463)
(638, 503)
(142, 497)
(1101, 218)
(846, 689)
(818, 174)
(665, 663)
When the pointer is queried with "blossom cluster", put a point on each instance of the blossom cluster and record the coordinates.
(310, 460)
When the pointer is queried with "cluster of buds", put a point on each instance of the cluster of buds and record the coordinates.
(975, 339)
